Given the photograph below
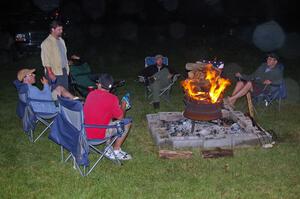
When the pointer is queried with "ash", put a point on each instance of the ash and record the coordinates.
(207, 129)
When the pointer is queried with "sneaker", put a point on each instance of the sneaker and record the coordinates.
(122, 155)
(110, 155)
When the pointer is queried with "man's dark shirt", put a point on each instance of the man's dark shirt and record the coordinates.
(152, 69)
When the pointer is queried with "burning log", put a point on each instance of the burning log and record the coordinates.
(203, 91)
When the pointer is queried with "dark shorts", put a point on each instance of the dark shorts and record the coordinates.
(257, 88)
(61, 80)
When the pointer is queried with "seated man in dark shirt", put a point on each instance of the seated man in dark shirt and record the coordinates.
(268, 73)
(157, 76)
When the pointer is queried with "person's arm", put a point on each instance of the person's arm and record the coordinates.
(276, 77)
(254, 76)
(46, 87)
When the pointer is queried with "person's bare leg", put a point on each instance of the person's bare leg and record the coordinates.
(239, 85)
(248, 87)
(120, 140)
(63, 92)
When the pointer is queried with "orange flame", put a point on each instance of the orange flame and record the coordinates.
(209, 90)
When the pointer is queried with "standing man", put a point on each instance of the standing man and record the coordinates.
(54, 56)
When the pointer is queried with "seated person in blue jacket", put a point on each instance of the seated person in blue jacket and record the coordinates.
(158, 76)
(268, 73)
(27, 76)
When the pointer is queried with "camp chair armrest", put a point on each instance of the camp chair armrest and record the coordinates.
(275, 85)
(40, 100)
(175, 77)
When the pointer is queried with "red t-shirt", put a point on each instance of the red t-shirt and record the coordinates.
(100, 108)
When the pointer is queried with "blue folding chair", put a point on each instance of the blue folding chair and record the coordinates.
(150, 60)
(30, 118)
(273, 93)
(68, 131)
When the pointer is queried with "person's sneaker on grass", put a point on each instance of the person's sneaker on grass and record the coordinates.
(109, 154)
(122, 155)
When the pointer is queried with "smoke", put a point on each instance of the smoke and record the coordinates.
(268, 36)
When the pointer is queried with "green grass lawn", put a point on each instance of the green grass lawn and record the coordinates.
(35, 171)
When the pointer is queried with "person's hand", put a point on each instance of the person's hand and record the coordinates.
(170, 76)
(151, 79)
(51, 74)
(75, 57)
(44, 80)
(267, 82)
(126, 99)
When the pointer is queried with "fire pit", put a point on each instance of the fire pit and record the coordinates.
(233, 129)
(197, 110)
(204, 90)
(204, 123)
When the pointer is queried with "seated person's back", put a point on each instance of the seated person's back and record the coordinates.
(99, 109)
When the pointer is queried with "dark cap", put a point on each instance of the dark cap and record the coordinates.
(273, 55)
(105, 79)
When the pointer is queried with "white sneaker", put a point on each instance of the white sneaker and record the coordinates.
(110, 155)
(122, 155)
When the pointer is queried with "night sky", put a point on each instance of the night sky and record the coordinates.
(194, 12)
(175, 19)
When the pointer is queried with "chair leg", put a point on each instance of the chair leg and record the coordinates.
(30, 136)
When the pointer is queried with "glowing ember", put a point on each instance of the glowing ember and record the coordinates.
(205, 85)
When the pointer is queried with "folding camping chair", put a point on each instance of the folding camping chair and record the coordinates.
(163, 92)
(272, 93)
(29, 117)
(80, 79)
(69, 132)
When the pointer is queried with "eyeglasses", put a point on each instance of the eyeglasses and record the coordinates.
(29, 75)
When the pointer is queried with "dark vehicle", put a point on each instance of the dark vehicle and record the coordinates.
(30, 30)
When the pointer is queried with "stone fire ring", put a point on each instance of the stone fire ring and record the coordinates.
(251, 136)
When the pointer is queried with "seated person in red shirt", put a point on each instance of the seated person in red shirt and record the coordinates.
(100, 108)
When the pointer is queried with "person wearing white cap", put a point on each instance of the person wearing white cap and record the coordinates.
(27, 76)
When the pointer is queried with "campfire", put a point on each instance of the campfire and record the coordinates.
(204, 123)
(204, 89)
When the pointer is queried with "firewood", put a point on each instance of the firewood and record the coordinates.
(168, 154)
(216, 153)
